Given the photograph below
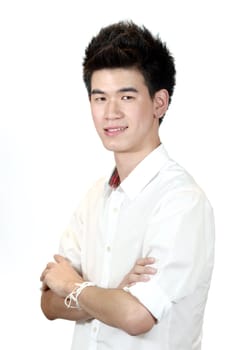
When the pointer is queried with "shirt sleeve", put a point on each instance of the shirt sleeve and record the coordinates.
(180, 236)
(70, 242)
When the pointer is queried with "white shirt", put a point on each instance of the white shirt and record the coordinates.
(157, 211)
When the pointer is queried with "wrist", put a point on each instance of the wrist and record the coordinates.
(70, 286)
(71, 300)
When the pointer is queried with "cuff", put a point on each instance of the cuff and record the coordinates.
(152, 297)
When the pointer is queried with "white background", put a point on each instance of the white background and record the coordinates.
(50, 153)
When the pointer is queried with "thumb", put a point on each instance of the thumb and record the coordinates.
(59, 258)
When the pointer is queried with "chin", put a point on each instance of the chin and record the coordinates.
(116, 145)
(114, 148)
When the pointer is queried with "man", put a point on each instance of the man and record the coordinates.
(150, 209)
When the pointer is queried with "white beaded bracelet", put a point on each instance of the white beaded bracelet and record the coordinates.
(73, 296)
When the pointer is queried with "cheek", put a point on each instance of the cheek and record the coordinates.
(96, 116)
(143, 118)
(97, 107)
(98, 124)
(143, 111)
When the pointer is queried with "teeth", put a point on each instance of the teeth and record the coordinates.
(115, 129)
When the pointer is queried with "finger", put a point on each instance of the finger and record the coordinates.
(133, 278)
(140, 270)
(131, 284)
(145, 261)
(43, 275)
(150, 270)
(50, 265)
(59, 258)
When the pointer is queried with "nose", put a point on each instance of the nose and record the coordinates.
(113, 110)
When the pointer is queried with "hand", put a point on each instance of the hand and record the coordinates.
(140, 272)
(60, 276)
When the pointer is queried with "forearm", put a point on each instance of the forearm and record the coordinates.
(116, 308)
(53, 307)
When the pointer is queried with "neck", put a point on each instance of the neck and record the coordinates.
(126, 162)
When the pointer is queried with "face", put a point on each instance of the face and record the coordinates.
(124, 114)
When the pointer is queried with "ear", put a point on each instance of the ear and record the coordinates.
(160, 103)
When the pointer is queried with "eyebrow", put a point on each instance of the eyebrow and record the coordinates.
(125, 89)
(97, 91)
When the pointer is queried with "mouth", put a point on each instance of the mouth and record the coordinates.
(115, 130)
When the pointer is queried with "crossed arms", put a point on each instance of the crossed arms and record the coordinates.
(115, 307)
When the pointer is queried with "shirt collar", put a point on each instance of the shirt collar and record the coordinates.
(142, 174)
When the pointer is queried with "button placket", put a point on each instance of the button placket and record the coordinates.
(95, 329)
(111, 228)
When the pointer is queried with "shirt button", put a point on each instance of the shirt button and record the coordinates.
(95, 329)
(115, 210)
(108, 249)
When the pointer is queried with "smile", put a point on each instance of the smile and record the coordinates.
(115, 131)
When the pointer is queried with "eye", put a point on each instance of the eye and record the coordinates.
(99, 99)
(127, 97)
